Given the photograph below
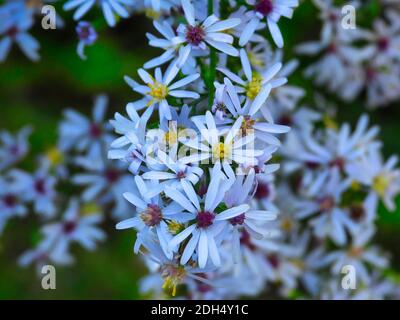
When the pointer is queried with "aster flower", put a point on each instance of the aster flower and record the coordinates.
(207, 223)
(263, 130)
(324, 200)
(104, 182)
(271, 11)
(175, 172)
(152, 214)
(196, 36)
(38, 188)
(382, 177)
(234, 149)
(13, 147)
(254, 82)
(159, 88)
(11, 203)
(84, 135)
(358, 255)
(87, 36)
(110, 8)
(253, 221)
(15, 21)
(58, 236)
(131, 147)
(172, 273)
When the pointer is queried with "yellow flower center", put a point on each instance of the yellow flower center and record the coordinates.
(158, 91)
(175, 227)
(171, 137)
(329, 122)
(253, 88)
(152, 14)
(221, 150)
(287, 224)
(54, 156)
(90, 208)
(380, 184)
(173, 276)
(355, 252)
(355, 185)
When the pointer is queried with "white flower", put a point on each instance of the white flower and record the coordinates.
(15, 21)
(196, 35)
(84, 135)
(13, 147)
(207, 223)
(263, 130)
(324, 202)
(152, 214)
(157, 89)
(234, 149)
(58, 236)
(38, 188)
(105, 182)
(110, 8)
(382, 177)
(272, 11)
(254, 82)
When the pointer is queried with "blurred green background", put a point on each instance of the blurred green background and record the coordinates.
(37, 93)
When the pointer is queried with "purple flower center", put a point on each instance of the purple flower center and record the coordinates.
(152, 216)
(383, 44)
(338, 162)
(273, 259)
(14, 150)
(10, 200)
(263, 191)
(112, 175)
(312, 165)
(95, 130)
(205, 219)
(238, 219)
(326, 203)
(12, 32)
(194, 35)
(69, 227)
(370, 74)
(357, 212)
(264, 7)
(245, 240)
(40, 186)
(285, 120)
(181, 175)
(86, 32)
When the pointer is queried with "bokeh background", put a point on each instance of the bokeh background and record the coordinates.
(37, 93)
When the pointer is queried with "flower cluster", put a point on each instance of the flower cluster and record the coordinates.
(357, 60)
(54, 191)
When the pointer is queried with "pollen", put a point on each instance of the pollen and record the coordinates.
(152, 14)
(253, 88)
(221, 150)
(171, 137)
(175, 227)
(90, 208)
(380, 184)
(247, 125)
(329, 122)
(54, 156)
(173, 276)
(152, 215)
(158, 91)
(287, 224)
